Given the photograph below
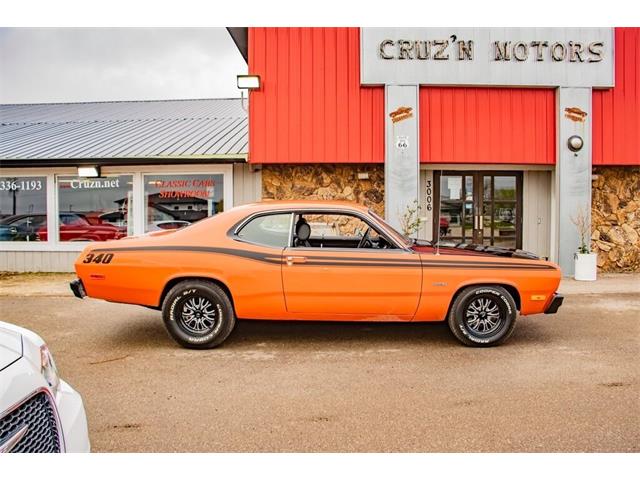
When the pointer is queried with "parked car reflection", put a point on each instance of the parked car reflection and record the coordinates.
(21, 228)
(167, 225)
(73, 227)
(77, 227)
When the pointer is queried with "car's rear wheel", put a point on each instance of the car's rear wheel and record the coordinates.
(198, 314)
(483, 316)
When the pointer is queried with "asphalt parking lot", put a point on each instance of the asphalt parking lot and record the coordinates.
(565, 382)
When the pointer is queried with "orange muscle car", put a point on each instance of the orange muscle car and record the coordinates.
(314, 260)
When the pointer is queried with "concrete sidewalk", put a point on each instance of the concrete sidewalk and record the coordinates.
(57, 284)
(606, 283)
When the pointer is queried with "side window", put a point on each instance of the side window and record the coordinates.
(270, 230)
(23, 222)
(36, 221)
(71, 219)
(347, 227)
(330, 230)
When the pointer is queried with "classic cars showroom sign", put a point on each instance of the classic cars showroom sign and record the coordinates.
(543, 57)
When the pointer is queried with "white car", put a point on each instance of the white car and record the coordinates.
(39, 412)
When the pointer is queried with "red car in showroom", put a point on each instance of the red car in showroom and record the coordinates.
(76, 227)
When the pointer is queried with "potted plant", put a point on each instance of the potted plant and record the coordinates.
(586, 262)
(410, 220)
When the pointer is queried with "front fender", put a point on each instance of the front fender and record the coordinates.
(440, 286)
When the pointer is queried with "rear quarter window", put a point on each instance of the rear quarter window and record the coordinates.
(269, 230)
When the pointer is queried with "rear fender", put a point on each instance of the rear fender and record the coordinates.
(183, 276)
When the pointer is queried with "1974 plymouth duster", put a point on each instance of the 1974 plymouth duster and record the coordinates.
(314, 260)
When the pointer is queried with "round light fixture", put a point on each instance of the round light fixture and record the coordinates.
(575, 143)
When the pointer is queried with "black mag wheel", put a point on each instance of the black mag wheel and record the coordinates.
(483, 316)
(198, 314)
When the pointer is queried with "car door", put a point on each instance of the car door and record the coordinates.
(257, 275)
(377, 282)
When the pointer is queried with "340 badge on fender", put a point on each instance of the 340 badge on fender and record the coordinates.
(100, 258)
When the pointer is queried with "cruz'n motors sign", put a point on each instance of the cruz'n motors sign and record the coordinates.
(542, 57)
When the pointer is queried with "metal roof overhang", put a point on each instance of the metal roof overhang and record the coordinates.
(240, 38)
(105, 162)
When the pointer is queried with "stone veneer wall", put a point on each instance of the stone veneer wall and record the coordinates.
(325, 182)
(615, 218)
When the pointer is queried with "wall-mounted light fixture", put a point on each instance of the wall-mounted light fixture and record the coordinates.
(89, 171)
(248, 82)
(575, 143)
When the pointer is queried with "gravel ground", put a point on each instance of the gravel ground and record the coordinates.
(565, 382)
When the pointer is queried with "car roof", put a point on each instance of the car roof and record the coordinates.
(266, 205)
(19, 216)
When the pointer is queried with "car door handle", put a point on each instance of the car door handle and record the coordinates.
(294, 259)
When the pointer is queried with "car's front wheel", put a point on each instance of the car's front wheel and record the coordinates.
(198, 314)
(483, 316)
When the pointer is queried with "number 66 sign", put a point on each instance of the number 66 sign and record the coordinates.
(402, 142)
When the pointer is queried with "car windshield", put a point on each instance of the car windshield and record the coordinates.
(399, 237)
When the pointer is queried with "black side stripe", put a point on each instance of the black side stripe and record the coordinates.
(188, 248)
(338, 261)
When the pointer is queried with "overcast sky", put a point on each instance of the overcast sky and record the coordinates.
(92, 64)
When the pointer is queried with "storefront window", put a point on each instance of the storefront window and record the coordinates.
(174, 201)
(23, 208)
(95, 209)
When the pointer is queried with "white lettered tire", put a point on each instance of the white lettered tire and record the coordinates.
(483, 315)
(198, 314)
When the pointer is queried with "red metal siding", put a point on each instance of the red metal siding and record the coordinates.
(487, 125)
(311, 107)
(616, 112)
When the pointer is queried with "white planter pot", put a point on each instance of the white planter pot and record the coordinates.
(586, 266)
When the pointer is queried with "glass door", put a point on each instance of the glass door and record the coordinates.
(479, 207)
(456, 207)
(501, 210)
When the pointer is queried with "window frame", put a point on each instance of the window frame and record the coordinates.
(83, 243)
(138, 171)
(227, 185)
(233, 231)
(368, 221)
(38, 245)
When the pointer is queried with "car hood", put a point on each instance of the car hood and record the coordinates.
(472, 250)
(10, 347)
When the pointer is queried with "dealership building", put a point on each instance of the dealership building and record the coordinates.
(106, 170)
(501, 136)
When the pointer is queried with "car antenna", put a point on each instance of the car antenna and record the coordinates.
(437, 229)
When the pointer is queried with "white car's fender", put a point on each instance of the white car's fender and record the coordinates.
(21, 378)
